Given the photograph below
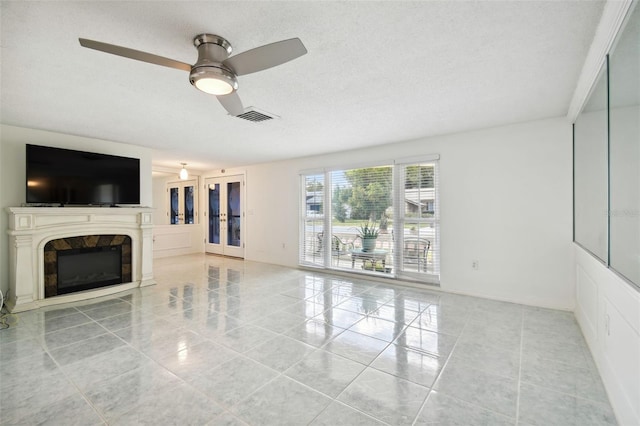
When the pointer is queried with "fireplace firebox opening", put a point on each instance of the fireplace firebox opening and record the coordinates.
(86, 262)
(87, 268)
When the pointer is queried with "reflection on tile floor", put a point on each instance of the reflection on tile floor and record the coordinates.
(223, 341)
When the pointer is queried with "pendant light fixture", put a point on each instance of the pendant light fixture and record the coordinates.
(184, 174)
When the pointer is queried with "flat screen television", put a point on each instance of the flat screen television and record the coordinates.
(64, 176)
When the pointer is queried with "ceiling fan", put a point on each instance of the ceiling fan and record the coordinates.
(215, 72)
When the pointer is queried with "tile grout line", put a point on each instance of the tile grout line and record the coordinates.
(462, 400)
(150, 360)
(369, 365)
(435, 380)
(78, 390)
(126, 344)
(335, 399)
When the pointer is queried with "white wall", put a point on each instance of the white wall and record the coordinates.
(505, 200)
(159, 191)
(608, 311)
(13, 174)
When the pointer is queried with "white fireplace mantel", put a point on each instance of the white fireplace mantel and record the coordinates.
(30, 228)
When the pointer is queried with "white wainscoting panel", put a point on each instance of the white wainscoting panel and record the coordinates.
(615, 343)
(176, 240)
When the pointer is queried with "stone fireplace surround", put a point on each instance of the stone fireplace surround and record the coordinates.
(31, 228)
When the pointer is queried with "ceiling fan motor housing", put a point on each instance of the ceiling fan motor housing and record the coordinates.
(211, 48)
(212, 51)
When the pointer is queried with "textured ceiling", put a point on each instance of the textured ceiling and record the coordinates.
(376, 72)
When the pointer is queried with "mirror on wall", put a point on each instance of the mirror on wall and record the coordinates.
(624, 151)
(590, 172)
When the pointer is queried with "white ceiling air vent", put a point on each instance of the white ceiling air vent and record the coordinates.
(255, 115)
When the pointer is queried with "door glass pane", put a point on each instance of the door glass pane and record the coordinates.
(214, 214)
(233, 214)
(174, 206)
(188, 205)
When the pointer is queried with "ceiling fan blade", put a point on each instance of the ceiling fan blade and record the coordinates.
(266, 56)
(232, 103)
(134, 54)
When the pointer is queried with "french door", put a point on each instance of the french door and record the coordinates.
(225, 215)
(183, 196)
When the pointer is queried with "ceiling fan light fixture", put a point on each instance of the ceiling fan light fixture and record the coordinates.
(213, 80)
(213, 86)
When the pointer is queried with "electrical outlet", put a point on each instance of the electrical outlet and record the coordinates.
(475, 264)
(283, 245)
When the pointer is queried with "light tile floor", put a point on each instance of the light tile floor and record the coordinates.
(226, 342)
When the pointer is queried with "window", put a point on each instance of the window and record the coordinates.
(399, 201)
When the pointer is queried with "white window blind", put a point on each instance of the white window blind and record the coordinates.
(312, 205)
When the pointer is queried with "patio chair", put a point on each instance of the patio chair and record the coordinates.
(415, 252)
(339, 247)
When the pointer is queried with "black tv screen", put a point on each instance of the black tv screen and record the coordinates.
(64, 176)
